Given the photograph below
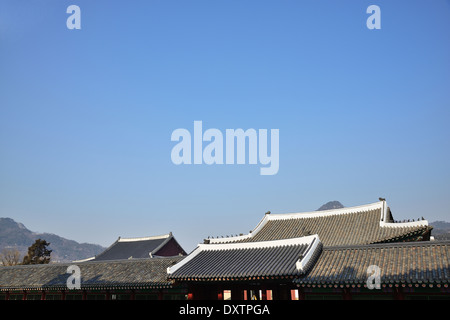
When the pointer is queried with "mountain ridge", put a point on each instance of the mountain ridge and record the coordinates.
(331, 205)
(14, 235)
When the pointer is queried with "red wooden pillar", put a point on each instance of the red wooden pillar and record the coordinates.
(293, 295)
(220, 295)
(191, 292)
(263, 293)
(269, 294)
(43, 293)
(24, 296)
(398, 294)
(63, 295)
(275, 291)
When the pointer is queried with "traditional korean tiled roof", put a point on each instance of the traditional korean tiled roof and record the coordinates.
(366, 224)
(136, 273)
(137, 248)
(412, 263)
(247, 261)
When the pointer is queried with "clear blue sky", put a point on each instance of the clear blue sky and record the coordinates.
(86, 115)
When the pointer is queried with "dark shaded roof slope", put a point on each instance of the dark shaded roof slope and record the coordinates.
(138, 248)
(136, 273)
(425, 262)
(346, 226)
(257, 260)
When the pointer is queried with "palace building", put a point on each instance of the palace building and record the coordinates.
(129, 269)
(134, 279)
(320, 255)
(349, 253)
(136, 248)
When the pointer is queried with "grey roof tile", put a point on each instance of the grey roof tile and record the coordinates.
(94, 274)
(245, 261)
(347, 226)
(407, 262)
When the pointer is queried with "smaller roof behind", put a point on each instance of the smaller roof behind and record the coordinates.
(139, 248)
(247, 261)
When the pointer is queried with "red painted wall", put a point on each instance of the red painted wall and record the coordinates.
(172, 248)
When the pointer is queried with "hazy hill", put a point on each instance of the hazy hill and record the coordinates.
(16, 235)
(331, 205)
(441, 230)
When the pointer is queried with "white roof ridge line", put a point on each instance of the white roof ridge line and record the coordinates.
(83, 260)
(163, 236)
(321, 213)
(303, 262)
(258, 244)
(404, 224)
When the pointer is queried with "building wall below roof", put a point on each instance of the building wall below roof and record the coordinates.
(171, 248)
(241, 291)
(284, 291)
(179, 293)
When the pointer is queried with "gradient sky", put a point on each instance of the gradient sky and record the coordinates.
(86, 115)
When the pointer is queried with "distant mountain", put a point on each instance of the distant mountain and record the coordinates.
(441, 230)
(331, 205)
(15, 235)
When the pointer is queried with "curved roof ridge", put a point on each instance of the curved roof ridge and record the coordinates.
(163, 236)
(259, 244)
(324, 213)
(418, 223)
(389, 245)
(309, 214)
(375, 218)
